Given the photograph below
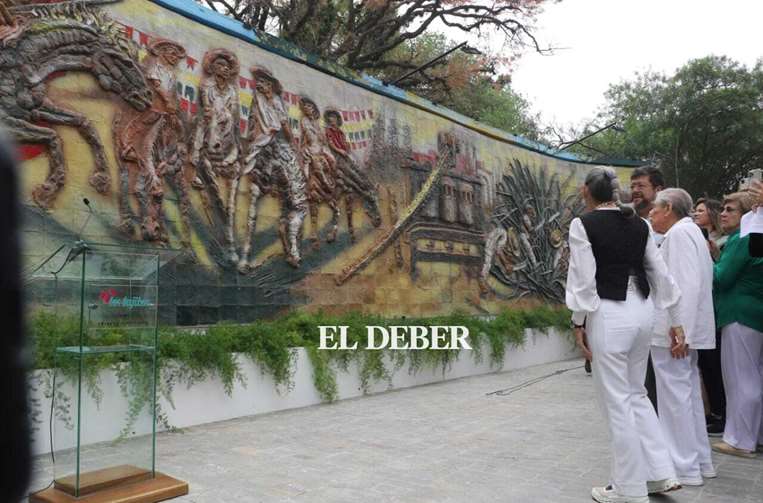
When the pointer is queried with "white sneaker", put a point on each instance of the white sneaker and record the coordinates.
(662, 486)
(708, 471)
(609, 495)
(692, 481)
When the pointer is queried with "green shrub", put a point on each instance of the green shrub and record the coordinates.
(187, 356)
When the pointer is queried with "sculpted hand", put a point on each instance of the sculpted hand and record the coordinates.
(582, 343)
(678, 346)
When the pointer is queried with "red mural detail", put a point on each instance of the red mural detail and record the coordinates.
(26, 152)
(107, 295)
(190, 62)
(54, 75)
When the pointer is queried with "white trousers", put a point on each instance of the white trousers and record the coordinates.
(742, 366)
(620, 334)
(682, 413)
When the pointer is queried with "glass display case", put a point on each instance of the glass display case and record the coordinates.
(104, 300)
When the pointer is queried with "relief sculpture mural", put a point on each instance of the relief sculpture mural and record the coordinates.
(37, 42)
(195, 140)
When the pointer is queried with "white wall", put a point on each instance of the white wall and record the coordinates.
(206, 402)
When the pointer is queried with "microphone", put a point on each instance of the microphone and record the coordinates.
(80, 245)
(89, 214)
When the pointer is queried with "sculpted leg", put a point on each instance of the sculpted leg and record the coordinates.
(230, 234)
(348, 200)
(335, 213)
(246, 262)
(295, 220)
(99, 178)
(25, 132)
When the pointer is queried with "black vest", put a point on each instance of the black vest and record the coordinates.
(619, 244)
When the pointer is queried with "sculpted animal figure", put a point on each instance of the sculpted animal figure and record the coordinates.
(272, 168)
(216, 152)
(351, 182)
(319, 165)
(64, 38)
(152, 142)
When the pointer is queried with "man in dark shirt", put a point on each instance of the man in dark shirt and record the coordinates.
(14, 443)
(646, 182)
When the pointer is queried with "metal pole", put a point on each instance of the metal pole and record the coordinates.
(571, 143)
(427, 64)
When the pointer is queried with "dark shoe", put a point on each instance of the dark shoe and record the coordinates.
(715, 429)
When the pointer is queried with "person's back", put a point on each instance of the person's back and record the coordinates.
(614, 265)
(618, 243)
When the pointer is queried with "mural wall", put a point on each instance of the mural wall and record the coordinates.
(283, 186)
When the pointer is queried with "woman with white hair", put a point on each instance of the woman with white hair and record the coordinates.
(615, 275)
(679, 394)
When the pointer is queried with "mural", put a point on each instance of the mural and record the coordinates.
(188, 138)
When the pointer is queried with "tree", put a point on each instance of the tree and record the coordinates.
(703, 124)
(466, 83)
(360, 34)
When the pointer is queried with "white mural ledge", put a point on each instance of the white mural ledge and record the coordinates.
(206, 401)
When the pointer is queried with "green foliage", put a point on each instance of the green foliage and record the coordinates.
(494, 103)
(462, 82)
(704, 123)
(188, 356)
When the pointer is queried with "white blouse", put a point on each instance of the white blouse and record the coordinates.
(688, 259)
(581, 296)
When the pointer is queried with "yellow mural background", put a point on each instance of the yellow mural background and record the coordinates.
(382, 287)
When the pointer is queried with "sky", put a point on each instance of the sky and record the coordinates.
(607, 41)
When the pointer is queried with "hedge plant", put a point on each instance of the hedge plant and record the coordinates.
(187, 356)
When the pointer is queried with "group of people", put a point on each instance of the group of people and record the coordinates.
(671, 284)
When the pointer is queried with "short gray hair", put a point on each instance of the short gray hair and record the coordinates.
(678, 199)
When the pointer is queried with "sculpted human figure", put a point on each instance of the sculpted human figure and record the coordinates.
(216, 150)
(494, 241)
(154, 141)
(319, 165)
(272, 166)
(351, 181)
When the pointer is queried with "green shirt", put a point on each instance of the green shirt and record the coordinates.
(738, 285)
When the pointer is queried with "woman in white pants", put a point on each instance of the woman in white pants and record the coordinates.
(738, 283)
(615, 275)
(679, 393)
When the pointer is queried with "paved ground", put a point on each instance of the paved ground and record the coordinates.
(449, 442)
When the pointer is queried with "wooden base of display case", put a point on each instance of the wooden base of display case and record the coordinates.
(123, 484)
(99, 480)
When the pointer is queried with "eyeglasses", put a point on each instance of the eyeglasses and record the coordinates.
(729, 209)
